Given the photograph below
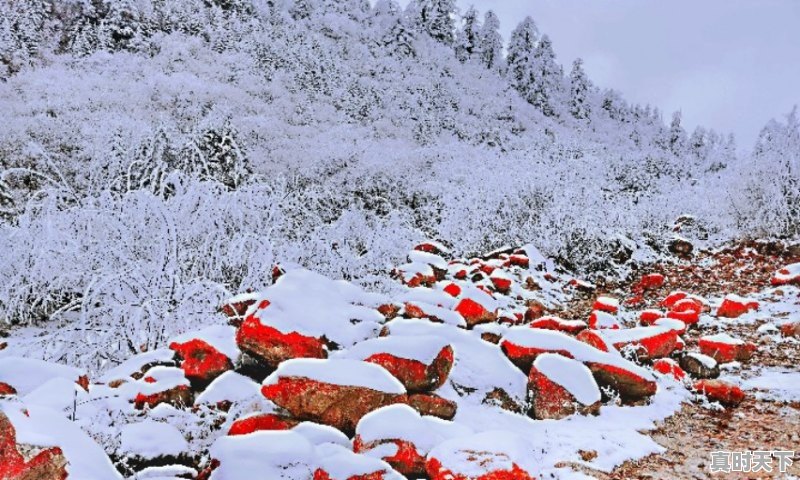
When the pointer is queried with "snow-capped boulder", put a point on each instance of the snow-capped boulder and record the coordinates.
(273, 454)
(649, 281)
(335, 462)
(473, 312)
(432, 246)
(788, 275)
(645, 342)
(501, 280)
(431, 405)
(26, 374)
(791, 329)
(699, 366)
(725, 393)
(334, 392)
(434, 313)
(483, 456)
(649, 317)
(421, 363)
(35, 464)
(603, 320)
(559, 324)
(723, 348)
(734, 306)
(206, 354)
(235, 308)
(258, 422)
(150, 443)
(270, 346)
(160, 385)
(559, 386)
(135, 367)
(228, 389)
(668, 366)
(402, 437)
(606, 304)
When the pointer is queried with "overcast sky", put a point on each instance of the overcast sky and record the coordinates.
(728, 64)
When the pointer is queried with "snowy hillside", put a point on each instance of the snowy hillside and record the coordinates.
(160, 160)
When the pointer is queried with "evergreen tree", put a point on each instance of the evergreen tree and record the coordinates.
(677, 135)
(520, 59)
(435, 17)
(468, 38)
(393, 33)
(122, 28)
(548, 78)
(491, 43)
(580, 87)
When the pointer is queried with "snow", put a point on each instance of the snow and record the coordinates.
(423, 348)
(313, 305)
(417, 256)
(318, 434)
(477, 295)
(604, 320)
(149, 440)
(503, 449)
(404, 423)
(58, 394)
(722, 338)
(341, 463)
(342, 372)
(608, 301)
(165, 378)
(273, 454)
(168, 472)
(447, 316)
(629, 335)
(671, 324)
(221, 337)
(570, 374)
(428, 296)
(230, 386)
(135, 363)
(26, 374)
(788, 273)
(777, 383)
(411, 270)
(41, 426)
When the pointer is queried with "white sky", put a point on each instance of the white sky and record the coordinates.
(727, 64)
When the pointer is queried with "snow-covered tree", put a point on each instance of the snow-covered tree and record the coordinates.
(677, 135)
(468, 38)
(546, 92)
(436, 18)
(392, 31)
(123, 27)
(580, 88)
(491, 42)
(521, 56)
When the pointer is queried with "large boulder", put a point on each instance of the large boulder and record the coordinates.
(271, 346)
(332, 392)
(668, 366)
(734, 306)
(336, 462)
(603, 320)
(149, 443)
(559, 386)
(421, 363)
(403, 437)
(723, 348)
(699, 366)
(556, 323)
(483, 456)
(645, 342)
(258, 422)
(201, 362)
(725, 393)
(161, 385)
(606, 304)
(33, 464)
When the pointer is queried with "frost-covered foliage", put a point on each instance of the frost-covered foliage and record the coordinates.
(157, 155)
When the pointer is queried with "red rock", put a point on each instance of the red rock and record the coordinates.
(277, 272)
(556, 323)
(421, 280)
(407, 460)
(236, 310)
(179, 396)
(271, 347)
(635, 301)
(519, 260)
(35, 464)
(502, 285)
(452, 289)
(415, 375)
(534, 311)
(672, 298)
(631, 386)
(606, 304)
(202, 363)
(788, 275)
(649, 282)
(523, 356)
(648, 317)
(388, 310)
(474, 313)
(790, 329)
(593, 338)
(734, 307)
(667, 366)
(687, 305)
(430, 404)
(320, 474)
(725, 350)
(648, 342)
(689, 318)
(581, 285)
(549, 400)
(263, 421)
(437, 472)
(335, 405)
(431, 247)
(719, 391)
(6, 389)
(602, 320)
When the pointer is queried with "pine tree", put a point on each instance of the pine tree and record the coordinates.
(468, 38)
(491, 43)
(548, 79)
(393, 32)
(520, 59)
(677, 135)
(435, 17)
(580, 87)
(122, 28)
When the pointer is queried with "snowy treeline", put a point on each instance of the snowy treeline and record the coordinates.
(156, 156)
